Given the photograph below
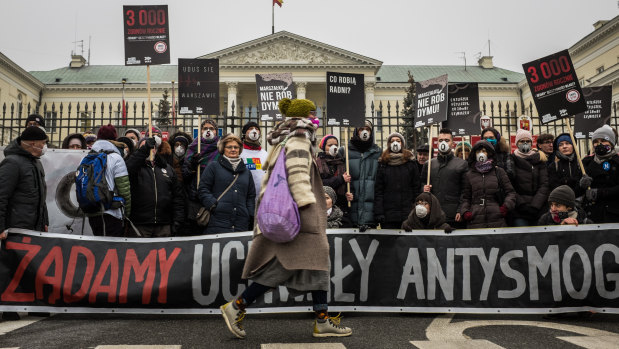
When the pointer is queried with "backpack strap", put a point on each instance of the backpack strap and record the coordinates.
(236, 176)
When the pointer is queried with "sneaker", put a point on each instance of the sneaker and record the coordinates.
(330, 327)
(234, 318)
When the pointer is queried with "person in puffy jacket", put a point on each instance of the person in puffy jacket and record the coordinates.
(332, 169)
(397, 183)
(564, 169)
(488, 194)
(159, 196)
(427, 214)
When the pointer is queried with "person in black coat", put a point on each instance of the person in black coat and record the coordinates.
(397, 183)
(563, 210)
(564, 169)
(235, 210)
(159, 197)
(333, 170)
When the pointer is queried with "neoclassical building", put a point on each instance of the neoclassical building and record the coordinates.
(80, 96)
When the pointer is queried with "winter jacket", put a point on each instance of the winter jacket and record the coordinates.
(479, 196)
(605, 209)
(363, 168)
(529, 177)
(563, 171)
(331, 170)
(209, 153)
(435, 220)
(254, 160)
(158, 195)
(397, 186)
(447, 180)
(22, 190)
(235, 209)
(579, 214)
(116, 176)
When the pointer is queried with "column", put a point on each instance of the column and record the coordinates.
(232, 89)
(301, 89)
(369, 98)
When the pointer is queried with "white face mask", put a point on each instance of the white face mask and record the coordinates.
(421, 211)
(333, 150)
(135, 143)
(254, 135)
(396, 147)
(481, 157)
(208, 135)
(444, 147)
(158, 141)
(364, 135)
(43, 150)
(179, 151)
(329, 211)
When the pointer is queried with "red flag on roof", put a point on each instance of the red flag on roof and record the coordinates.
(278, 2)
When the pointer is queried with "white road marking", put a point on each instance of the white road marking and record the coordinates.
(303, 346)
(461, 344)
(597, 342)
(8, 326)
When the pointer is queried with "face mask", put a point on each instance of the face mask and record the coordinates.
(208, 135)
(43, 150)
(158, 141)
(396, 147)
(444, 148)
(254, 135)
(491, 140)
(364, 135)
(179, 151)
(602, 149)
(329, 211)
(421, 211)
(524, 147)
(481, 157)
(333, 150)
(135, 143)
(316, 122)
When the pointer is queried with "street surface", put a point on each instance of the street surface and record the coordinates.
(288, 331)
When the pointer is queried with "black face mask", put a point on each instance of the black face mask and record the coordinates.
(562, 215)
(602, 149)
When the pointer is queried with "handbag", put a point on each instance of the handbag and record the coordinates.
(278, 214)
(204, 214)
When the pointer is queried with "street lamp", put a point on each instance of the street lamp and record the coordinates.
(124, 111)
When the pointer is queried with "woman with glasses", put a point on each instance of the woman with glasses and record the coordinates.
(528, 173)
(235, 210)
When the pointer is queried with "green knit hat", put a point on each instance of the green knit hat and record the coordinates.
(296, 108)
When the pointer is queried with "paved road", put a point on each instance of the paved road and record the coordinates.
(277, 331)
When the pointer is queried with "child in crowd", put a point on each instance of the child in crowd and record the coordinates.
(427, 214)
(563, 210)
(335, 217)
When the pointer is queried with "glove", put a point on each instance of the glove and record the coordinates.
(591, 194)
(585, 182)
(363, 228)
(449, 229)
(195, 160)
(150, 143)
(503, 210)
(467, 216)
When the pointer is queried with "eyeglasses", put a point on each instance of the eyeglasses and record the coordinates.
(545, 142)
(209, 128)
(233, 147)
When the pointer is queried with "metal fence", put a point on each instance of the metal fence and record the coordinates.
(63, 119)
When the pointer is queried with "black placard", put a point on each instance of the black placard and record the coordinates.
(599, 101)
(147, 35)
(345, 99)
(198, 86)
(271, 88)
(463, 113)
(431, 101)
(554, 86)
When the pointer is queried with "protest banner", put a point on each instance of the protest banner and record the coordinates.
(599, 102)
(345, 99)
(198, 86)
(147, 35)
(554, 86)
(271, 88)
(431, 101)
(463, 113)
(516, 270)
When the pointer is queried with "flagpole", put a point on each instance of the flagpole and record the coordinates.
(272, 18)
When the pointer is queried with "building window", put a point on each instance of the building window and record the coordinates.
(51, 117)
(600, 70)
(85, 122)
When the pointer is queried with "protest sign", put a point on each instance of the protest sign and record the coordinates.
(198, 86)
(431, 101)
(599, 101)
(147, 36)
(554, 87)
(345, 99)
(271, 88)
(463, 113)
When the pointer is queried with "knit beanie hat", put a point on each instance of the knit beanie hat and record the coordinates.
(467, 145)
(156, 130)
(227, 138)
(135, 131)
(606, 133)
(395, 134)
(182, 139)
(368, 123)
(89, 137)
(35, 117)
(296, 108)
(107, 132)
(523, 134)
(249, 125)
(563, 194)
(329, 191)
(424, 148)
(564, 138)
(323, 141)
(33, 133)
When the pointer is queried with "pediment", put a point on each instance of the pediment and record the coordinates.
(287, 49)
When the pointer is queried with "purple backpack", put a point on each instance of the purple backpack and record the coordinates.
(278, 213)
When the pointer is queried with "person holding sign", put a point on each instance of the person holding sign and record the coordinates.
(528, 173)
(397, 184)
(333, 170)
(602, 180)
(363, 156)
(501, 148)
(564, 169)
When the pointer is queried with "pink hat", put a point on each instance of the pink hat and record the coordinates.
(522, 134)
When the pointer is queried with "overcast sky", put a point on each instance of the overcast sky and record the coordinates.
(39, 34)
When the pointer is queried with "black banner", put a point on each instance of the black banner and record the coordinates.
(198, 86)
(431, 101)
(463, 114)
(271, 88)
(599, 102)
(345, 99)
(533, 269)
(554, 87)
(147, 35)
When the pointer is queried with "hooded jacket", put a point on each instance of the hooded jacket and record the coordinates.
(116, 176)
(563, 171)
(529, 177)
(22, 190)
(176, 162)
(396, 187)
(605, 209)
(436, 219)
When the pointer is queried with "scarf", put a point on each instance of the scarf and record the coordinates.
(600, 159)
(396, 159)
(483, 167)
(234, 162)
(208, 150)
(520, 154)
(334, 220)
(294, 127)
(570, 214)
(565, 157)
(251, 145)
